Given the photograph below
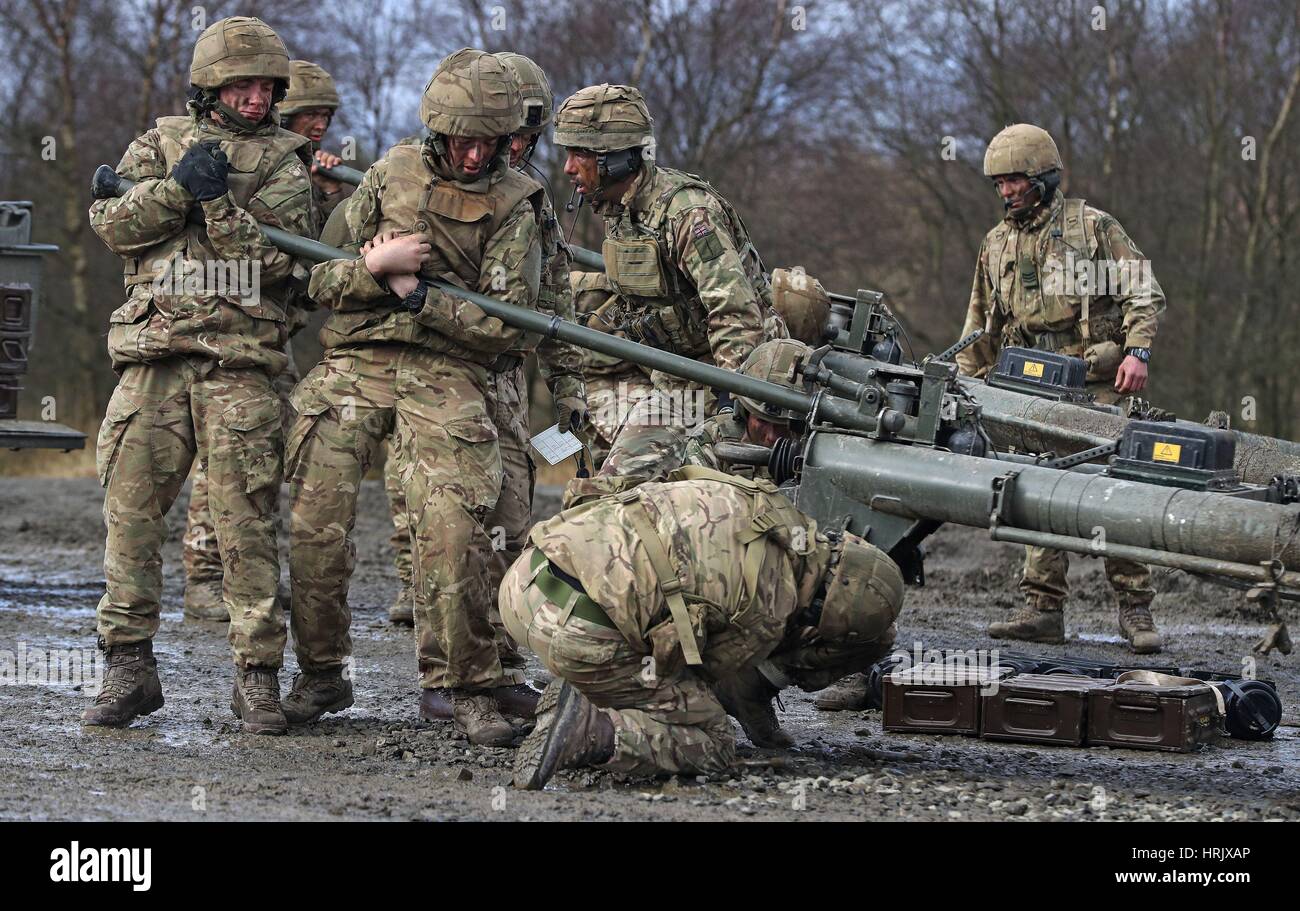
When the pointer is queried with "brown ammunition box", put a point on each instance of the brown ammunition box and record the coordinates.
(1178, 718)
(1039, 708)
(936, 699)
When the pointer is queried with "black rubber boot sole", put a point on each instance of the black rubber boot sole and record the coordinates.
(538, 756)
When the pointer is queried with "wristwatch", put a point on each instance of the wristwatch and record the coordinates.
(414, 302)
(1142, 354)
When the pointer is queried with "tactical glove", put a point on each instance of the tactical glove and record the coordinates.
(202, 171)
(571, 412)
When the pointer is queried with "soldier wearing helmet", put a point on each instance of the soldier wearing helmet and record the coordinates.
(307, 109)
(1059, 275)
(643, 603)
(197, 345)
(751, 421)
(680, 259)
(404, 359)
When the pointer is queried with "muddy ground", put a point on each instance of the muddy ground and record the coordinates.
(378, 761)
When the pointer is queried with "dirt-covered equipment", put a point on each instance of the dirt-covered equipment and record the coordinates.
(21, 267)
(891, 451)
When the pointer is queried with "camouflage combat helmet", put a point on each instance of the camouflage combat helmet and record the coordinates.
(1021, 148)
(239, 47)
(802, 302)
(471, 94)
(533, 88)
(310, 87)
(774, 361)
(604, 118)
(864, 590)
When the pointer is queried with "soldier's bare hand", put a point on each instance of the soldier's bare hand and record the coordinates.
(389, 255)
(327, 159)
(404, 284)
(1132, 376)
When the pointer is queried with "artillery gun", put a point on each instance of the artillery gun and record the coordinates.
(20, 291)
(1018, 412)
(892, 451)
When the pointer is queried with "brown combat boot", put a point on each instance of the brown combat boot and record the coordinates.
(203, 601)
(131, 687)
(1138, 627)
(747, 697)
(475, 714)
(255, 698)
(518, 701)
(402, 612)
(1034, 622)
(570, 733)
(848, 695)
(435, 705)
(314, 695)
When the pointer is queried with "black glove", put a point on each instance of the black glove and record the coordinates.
(202, 171)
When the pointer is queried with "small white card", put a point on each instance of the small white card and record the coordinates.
(555, 445)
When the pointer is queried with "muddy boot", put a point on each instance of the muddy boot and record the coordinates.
(1034, 622)
(570, 733)
(519, 701)
(402, 612)
(475, 714)
(314, 695)
(435, 705)
(1139, 628)
(848, 695)
(203, 601)
(747, 697)
(130, 689)
(255, 698)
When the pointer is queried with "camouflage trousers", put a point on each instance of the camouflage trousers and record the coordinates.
(162, 416)
(610, 398)
(652, 441)
(1043, 580)
(449, 470)
(663, 725)
(199, 552)
(1045, 585)
(509, 521)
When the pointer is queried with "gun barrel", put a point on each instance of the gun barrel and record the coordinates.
(1046, 506)
(343, 174)
(1039, 425)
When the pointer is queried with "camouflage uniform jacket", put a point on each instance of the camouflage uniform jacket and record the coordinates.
(591, 292)
(1027, 290)
(723, 427)
(680, 257)
(560, 362)
(740, 609)
(484, 236)
(177, 302)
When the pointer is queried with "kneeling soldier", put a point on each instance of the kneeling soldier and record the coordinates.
(641, 601)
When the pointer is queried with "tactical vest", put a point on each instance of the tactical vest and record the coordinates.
(639, 260)
(1082, 320)
(253, 158)
(774, 518)
(458, 222)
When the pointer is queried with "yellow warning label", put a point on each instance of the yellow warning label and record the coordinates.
(1033, 368)
(1167, 452)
